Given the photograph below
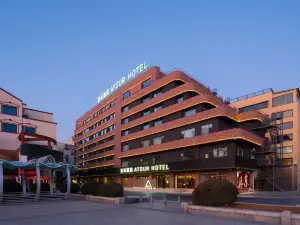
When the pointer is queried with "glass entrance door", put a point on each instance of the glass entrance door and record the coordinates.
(162, 181)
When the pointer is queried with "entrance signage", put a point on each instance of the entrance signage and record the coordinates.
(134, 73)
(148, 185)
(139, 169)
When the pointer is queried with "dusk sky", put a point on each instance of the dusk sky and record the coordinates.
(60, 55)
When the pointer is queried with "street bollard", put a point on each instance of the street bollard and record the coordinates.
(141, 198)
(179, 201)
(151, 199)
(165, 200)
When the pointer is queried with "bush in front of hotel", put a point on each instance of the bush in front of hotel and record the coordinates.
(112, 190)
(90, 188)
(11, 186)
(215, 192)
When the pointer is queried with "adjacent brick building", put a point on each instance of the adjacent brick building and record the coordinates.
(286, 103)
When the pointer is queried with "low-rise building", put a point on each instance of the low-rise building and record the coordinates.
(286, 105)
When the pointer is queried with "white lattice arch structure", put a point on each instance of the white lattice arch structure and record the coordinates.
(45, 159)
(46, 162)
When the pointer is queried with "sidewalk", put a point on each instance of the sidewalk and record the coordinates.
(165, 190)
(286, 194)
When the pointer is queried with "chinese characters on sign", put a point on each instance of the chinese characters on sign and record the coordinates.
(138, 169)
(135, 72)
(243, 180)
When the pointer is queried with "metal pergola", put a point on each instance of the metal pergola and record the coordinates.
(46, 162)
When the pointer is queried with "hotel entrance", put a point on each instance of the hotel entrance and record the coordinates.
(162, 181)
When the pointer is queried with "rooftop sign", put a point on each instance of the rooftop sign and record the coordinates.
(135, 72)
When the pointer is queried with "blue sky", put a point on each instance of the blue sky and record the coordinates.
(59, 55)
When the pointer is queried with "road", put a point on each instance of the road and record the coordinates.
(288, 200)
(91, 213)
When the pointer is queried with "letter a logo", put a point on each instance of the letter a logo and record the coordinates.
(148, 185)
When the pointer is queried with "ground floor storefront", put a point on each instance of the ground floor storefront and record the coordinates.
(243, 179)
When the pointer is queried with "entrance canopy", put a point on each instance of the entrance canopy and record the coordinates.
(46, 162)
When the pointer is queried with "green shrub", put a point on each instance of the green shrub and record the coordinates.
(110, 190)
(90, 188)
(216, 192)
(74, 188)
(44, 187)
(10, 185)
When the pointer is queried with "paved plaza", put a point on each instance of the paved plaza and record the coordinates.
(90, 213)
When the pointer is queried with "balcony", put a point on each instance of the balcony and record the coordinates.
(200, 116)
(111, 133)
(231, 134)
(99, 164)
(97, 156)
(174, 108)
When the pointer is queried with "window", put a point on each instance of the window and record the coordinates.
(240, 152)
(186, 155)
(288, 113)
(125, 108)
(188, 133)
(146, 83)
(9, 127)
(157, 93)
(285, 150)
(283, 100)
(157, 108)
(103, 109)
(189, 112)
(284, 114)
(146, 112)
(221, 152)
(106, 107)
(158, 122)
(126, 94)
(112, 103)
(158, 140)
(126, 120)
(29, 129)
(146, 99)
(145, 143)
(87, 120)
(206, 128)
(287, 137)
(125, 132)
(288, 125)
(146, 126)
(215, 153)
(257, 106)
(125, 164)
(179, 99)
(9, 110)
(125, 148)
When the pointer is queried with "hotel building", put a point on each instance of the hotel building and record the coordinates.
(283, 104)
(166, 130)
